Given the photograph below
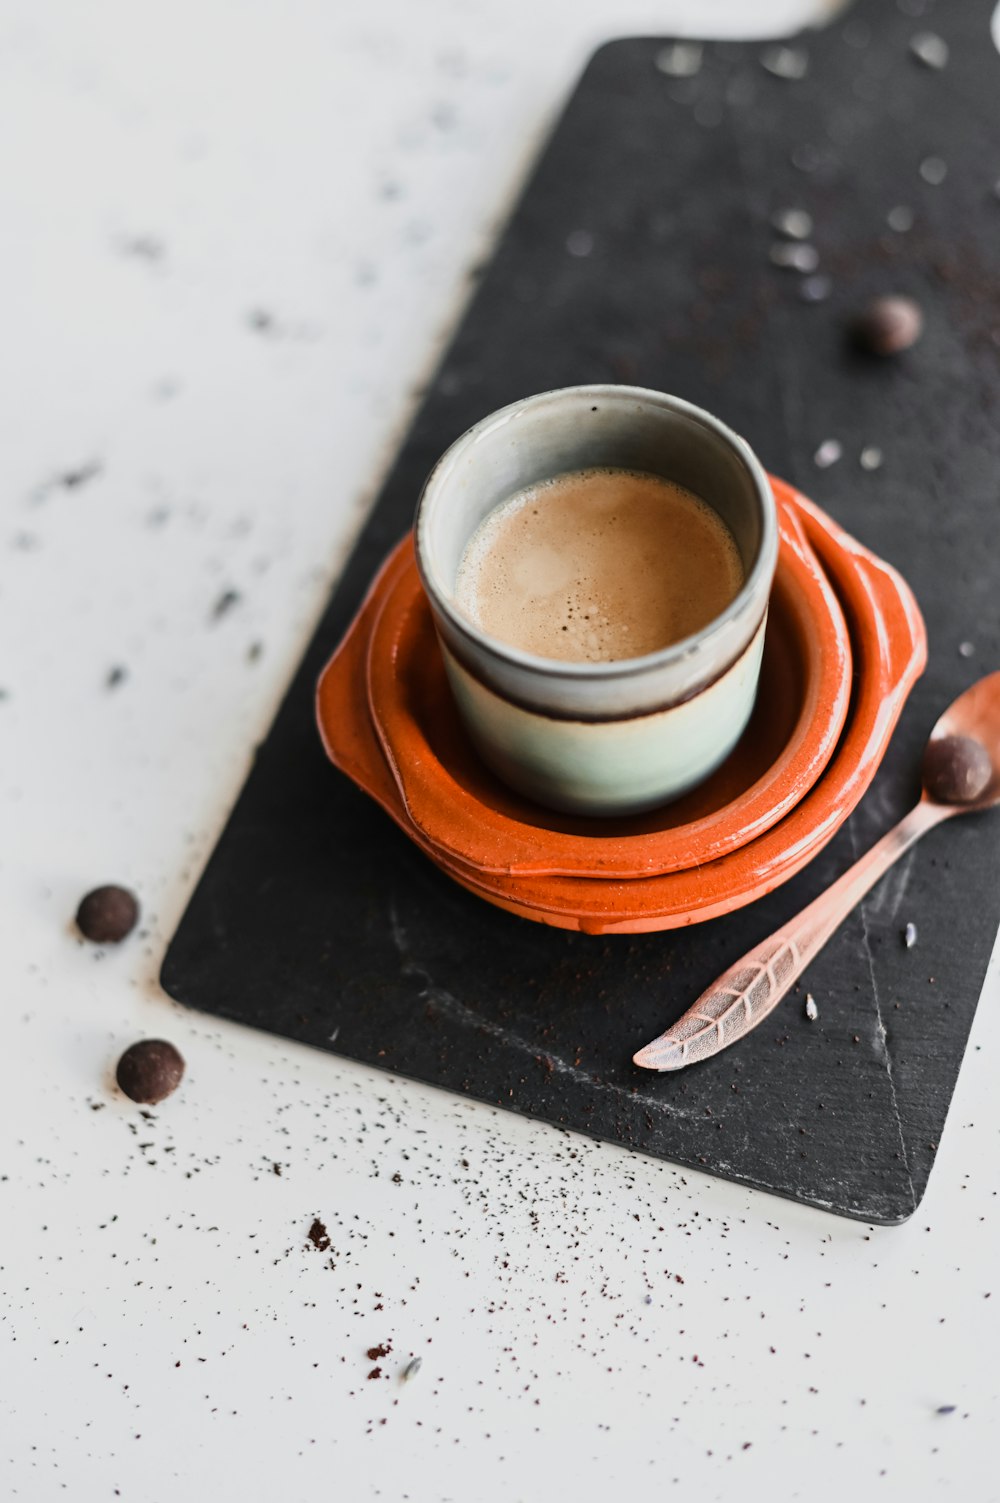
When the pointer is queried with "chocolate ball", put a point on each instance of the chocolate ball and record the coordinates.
(107, 915)
(888, 325)
(957, 769)
(149, 1071)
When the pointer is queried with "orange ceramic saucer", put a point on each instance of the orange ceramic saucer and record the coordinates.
(889, 652)
(472, 818)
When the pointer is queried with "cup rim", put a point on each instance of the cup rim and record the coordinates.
(762, 569)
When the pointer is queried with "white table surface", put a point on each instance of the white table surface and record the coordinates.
(589, 1321)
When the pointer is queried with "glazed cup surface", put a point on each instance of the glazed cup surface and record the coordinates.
(600, 738)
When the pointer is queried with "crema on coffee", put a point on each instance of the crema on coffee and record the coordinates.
(598, 565)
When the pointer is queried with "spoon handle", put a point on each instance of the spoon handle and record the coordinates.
(745, 993)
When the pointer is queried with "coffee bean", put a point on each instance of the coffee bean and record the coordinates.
(957, 769)
(889, 325)
(107, 915)
(149, 1071)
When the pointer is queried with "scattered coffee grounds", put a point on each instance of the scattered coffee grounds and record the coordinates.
(888, 325)
(150, 1071)
(957, 769)
(225, 603)
(376, 1372)
(317, 1235)
(261, 321)
(143, 247)
(382, 1350)
(107, 915)
(71, 480)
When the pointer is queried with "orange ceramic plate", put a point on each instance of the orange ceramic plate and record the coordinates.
(889, 653)
(474, 819)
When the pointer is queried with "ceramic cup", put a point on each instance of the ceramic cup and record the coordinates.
(600, 738)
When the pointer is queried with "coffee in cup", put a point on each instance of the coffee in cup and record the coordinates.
(598, 565)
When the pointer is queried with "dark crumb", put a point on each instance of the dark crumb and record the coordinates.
(382, 1350)
(888, 325)
(150, 1071)
(956, 769)
(107, 914)
(276, 1169)
(397, 1178)
(225, 603)
(946, 1408)
(72, 480)
(317, 1235)
(261, 321)
(115, 676)
(376, 1372)
(143, 247)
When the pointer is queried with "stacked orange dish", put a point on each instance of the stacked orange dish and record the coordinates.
(845, 643)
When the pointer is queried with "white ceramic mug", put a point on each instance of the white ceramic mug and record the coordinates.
(600, 738)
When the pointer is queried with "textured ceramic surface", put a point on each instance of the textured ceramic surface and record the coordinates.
(474, 818)
(610, 768)
(889, 647)
(616, 737)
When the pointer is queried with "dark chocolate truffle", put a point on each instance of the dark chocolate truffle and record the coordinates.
(149, 1071)
(107, 915)
(888, 325)
(957, 769)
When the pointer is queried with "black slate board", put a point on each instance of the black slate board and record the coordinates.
(317, 920)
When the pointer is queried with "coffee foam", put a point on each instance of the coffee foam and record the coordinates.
(597, 566)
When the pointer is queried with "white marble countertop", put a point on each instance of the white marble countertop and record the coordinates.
(233, 239)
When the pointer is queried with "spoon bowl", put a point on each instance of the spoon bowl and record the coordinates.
(976, 715)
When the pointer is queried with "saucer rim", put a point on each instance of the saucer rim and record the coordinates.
(794, 850)
(896, 641)
(605, 855)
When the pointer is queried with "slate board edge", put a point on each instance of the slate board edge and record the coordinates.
(866, 1217)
